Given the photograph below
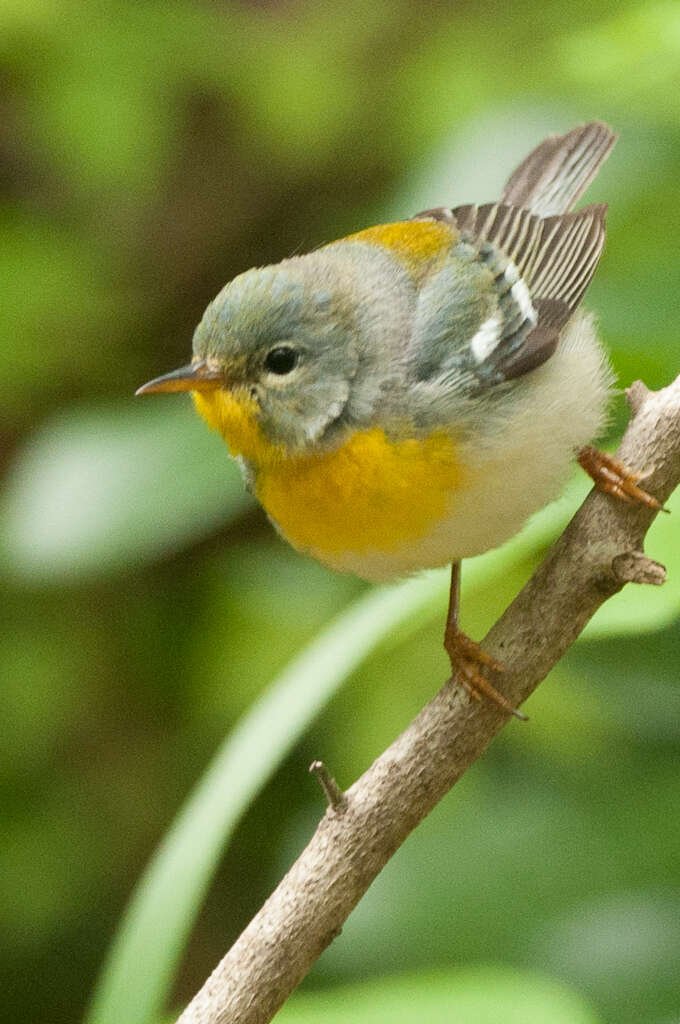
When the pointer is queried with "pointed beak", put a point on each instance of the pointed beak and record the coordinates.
(194, 377)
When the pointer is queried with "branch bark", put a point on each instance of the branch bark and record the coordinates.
(599, 551)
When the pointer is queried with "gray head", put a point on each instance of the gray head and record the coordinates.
(283, 335)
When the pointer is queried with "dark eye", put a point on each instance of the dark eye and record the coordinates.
(281, 359)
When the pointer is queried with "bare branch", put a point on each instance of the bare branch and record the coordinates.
(601, 547)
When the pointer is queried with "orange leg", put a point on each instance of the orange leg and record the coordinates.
(468, 660)
(614, 478)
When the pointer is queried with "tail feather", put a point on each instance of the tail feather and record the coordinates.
(555, 175)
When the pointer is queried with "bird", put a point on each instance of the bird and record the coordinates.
(407, 396)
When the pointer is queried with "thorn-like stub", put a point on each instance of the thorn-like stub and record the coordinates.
(337, 801)
(636, 567)
(636, 396)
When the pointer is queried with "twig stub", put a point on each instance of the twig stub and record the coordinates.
(636, 567)
(337, 800)
(636, 396)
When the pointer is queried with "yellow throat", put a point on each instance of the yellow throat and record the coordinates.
(370, 494)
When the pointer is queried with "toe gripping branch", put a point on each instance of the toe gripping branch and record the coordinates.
(613, 477)
(468, 661)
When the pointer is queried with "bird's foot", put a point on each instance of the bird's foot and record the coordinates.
(468, 662)
(615, 478)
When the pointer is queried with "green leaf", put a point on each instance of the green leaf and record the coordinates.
(96, 490)
(484, 995)
(138, 974)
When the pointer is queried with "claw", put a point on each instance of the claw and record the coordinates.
(467, 658)
(613, 477)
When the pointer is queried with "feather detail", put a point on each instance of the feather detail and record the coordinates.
(555, 257)
(554, 176)
(541, 269)
(566, 257)
(541, 256)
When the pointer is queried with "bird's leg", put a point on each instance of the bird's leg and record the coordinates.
(467, 658)
(614, 478)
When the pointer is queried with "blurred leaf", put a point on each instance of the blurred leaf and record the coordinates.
(101, 489)
(135, 982)
(633, 55)
(57, 305)
(487, 995)
(618, 944)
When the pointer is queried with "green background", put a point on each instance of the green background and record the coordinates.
(149, 152)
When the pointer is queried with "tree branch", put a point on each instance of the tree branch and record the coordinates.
(598, 552)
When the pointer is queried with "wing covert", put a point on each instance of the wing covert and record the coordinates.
(539, 268)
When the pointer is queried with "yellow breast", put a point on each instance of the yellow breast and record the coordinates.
(371, 494)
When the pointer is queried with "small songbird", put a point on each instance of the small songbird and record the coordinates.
(407, 396)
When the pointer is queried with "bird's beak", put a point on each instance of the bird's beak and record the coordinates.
(194, 377)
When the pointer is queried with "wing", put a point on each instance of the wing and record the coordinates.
(531, 274)
(540, 256)
(541, 269)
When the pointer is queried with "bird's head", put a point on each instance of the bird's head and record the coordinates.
(273, 360)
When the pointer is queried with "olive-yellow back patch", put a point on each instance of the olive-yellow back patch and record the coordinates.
(370, 495)
(415, 242)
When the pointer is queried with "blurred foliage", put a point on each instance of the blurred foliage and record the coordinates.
(482, 996)
(67, 507)
(148, 152)
(155, 928)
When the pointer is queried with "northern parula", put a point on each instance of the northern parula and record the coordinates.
(407, 396)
